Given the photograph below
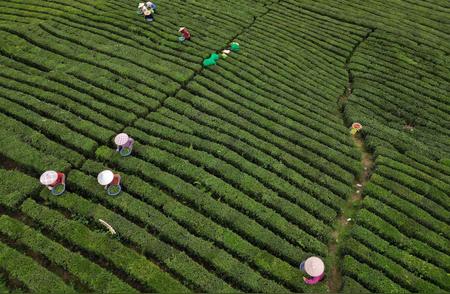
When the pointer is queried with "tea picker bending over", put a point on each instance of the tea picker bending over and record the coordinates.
(110, 181)
(315, 268)
(55, 181)
(147, 10)
(124, 144)
(186, 34)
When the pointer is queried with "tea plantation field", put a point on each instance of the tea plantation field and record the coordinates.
(240, 170)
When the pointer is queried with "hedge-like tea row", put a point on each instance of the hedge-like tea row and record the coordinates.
(165, 71)
(144, 271)
(172, 212)
(118, 30)
(217, 210)
(432, 169)
(240, 175)
(420, 201)
(261, 134)
(172, 259)
(416, 265)
(246, 183)
(265, 128)
(23, 68)
(350, 286)
(411, 210)
(15, 187)
(430, 191)
(276, 108)
(89, 273)
(53, 112)
(371, 279)
(54, 129)
(406, 225)
(26, 156)
(392, 270)
(35, 277)
(259, 172)
(209, 129)
(438, 166)
(61, 48)
(311, 139)
(397, 238)
(63, 96)
(37, 140)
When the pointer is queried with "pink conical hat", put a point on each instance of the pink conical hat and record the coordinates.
(121, 139)
(314, 266)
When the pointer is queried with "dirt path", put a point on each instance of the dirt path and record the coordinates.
(345, 219)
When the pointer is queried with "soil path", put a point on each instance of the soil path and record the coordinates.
(344, 220)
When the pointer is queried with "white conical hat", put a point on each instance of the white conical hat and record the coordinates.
(181, 29)
(105, 177)
(49, 177)
(147, 12)
(314, 266)
(121, 139)
(141, 5)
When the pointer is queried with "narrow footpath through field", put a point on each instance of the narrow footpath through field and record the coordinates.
(345, 219)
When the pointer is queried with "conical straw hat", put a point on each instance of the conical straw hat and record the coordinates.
(314, 266)
(105, 177)
(49, 177)
(181, 29)
(147, 12)
(121, 139)
(141, 5)
(356, 125)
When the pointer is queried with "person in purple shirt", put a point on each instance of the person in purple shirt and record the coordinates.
(315, 268)
(123, 141)
(128, 144)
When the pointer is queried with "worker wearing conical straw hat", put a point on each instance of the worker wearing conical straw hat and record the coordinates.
(356, 127)
(51, 179)
(147, 12)
(315, 268)
(122, 141)
(185, 32)
(107, 178)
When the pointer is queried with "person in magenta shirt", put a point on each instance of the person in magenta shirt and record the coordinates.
(315, 268)
(313, 280)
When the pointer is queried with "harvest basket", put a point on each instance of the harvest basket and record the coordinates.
(59, 189)
(114, 190)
